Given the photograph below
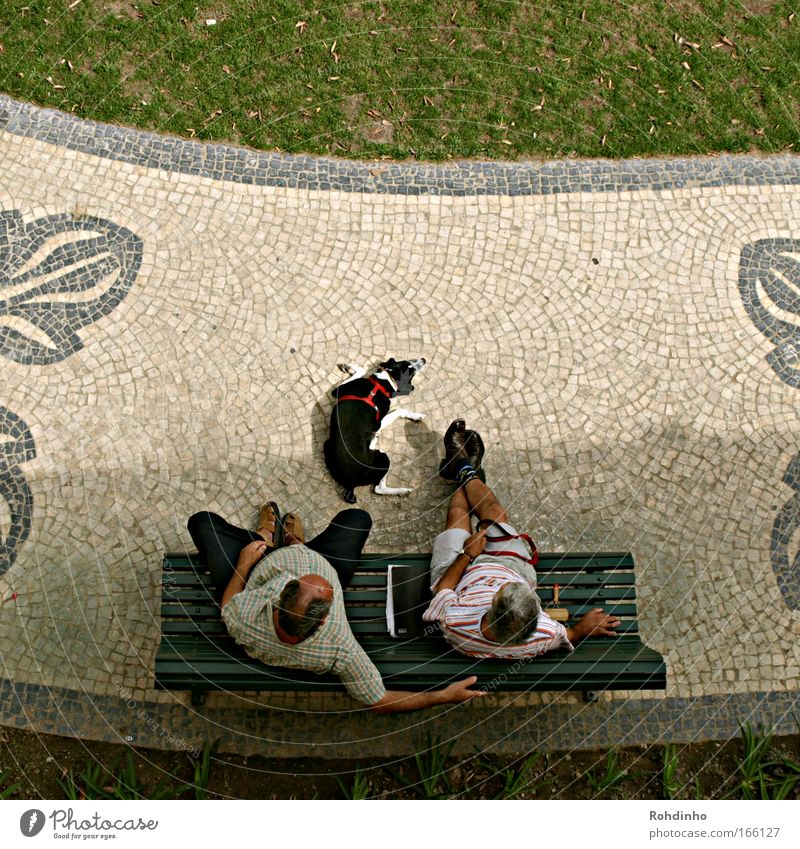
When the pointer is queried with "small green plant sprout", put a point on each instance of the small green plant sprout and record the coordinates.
(202, 770)
(432, 782)
(120, 781)
(762, 773)
(360, 787)
(611, 777)
(520, 779)
(669, 771)
(8, 790)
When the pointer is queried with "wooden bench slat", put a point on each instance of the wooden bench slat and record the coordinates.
(387, 650)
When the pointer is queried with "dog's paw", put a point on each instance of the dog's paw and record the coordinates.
(347, 368)
(416, 417)
(392, 490)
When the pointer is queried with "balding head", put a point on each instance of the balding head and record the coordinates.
(304, 605)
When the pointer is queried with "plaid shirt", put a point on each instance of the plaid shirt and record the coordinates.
(331, 648)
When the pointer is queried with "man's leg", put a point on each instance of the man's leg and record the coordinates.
(458, 512)
(342, 542)
(485, 505)
(218, 543)
(449, 543)
(483, 502)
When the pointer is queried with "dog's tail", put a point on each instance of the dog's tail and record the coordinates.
(349, 496)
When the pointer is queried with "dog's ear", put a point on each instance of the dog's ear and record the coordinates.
(388, 364)
(404, 386)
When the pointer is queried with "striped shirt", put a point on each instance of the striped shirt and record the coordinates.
(459, 613)
(331, 648)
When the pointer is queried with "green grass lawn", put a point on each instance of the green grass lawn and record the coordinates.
(428, 80)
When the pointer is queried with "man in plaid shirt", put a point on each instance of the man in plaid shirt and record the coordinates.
(282, 600)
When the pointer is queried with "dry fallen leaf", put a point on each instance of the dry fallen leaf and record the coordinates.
(226, 69)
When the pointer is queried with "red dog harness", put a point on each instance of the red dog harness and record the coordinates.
(369, 399)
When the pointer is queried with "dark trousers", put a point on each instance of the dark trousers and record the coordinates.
(219, 544)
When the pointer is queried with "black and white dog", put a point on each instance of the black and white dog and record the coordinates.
(360, 413)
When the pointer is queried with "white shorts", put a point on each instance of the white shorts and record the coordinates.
(448, 545)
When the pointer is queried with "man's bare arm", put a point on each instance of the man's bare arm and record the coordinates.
(248, 557)
(455, 571)
(397, 701)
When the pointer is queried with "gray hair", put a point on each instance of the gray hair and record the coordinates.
(300, 623)
(514, 613)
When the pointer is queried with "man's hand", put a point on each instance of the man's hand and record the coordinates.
(250, 555)
(475, 544)
(459, 691)
(594, 622)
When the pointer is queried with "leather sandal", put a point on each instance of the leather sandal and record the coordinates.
(293, 531)
(269, 525)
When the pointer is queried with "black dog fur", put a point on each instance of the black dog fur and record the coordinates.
(350, 454)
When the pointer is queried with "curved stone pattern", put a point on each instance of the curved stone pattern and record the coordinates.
(772, 267)
(586, 317)
(41, 273)
(784, 533)
(17, 447)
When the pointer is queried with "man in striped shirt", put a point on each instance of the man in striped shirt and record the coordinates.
(484, 588)
(282, 600)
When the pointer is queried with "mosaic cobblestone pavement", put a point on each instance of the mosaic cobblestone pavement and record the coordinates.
(625, 335)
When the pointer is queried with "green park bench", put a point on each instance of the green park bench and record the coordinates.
(197, 654)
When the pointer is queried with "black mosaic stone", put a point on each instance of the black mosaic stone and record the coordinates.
(454, 178)
(786, 525)
(769, 280)
(17, 447)
(43, 296)
(295, 733)
(768, 267)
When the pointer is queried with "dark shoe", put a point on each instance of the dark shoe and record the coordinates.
(269, 525)
(454, 453)
(474, 448)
